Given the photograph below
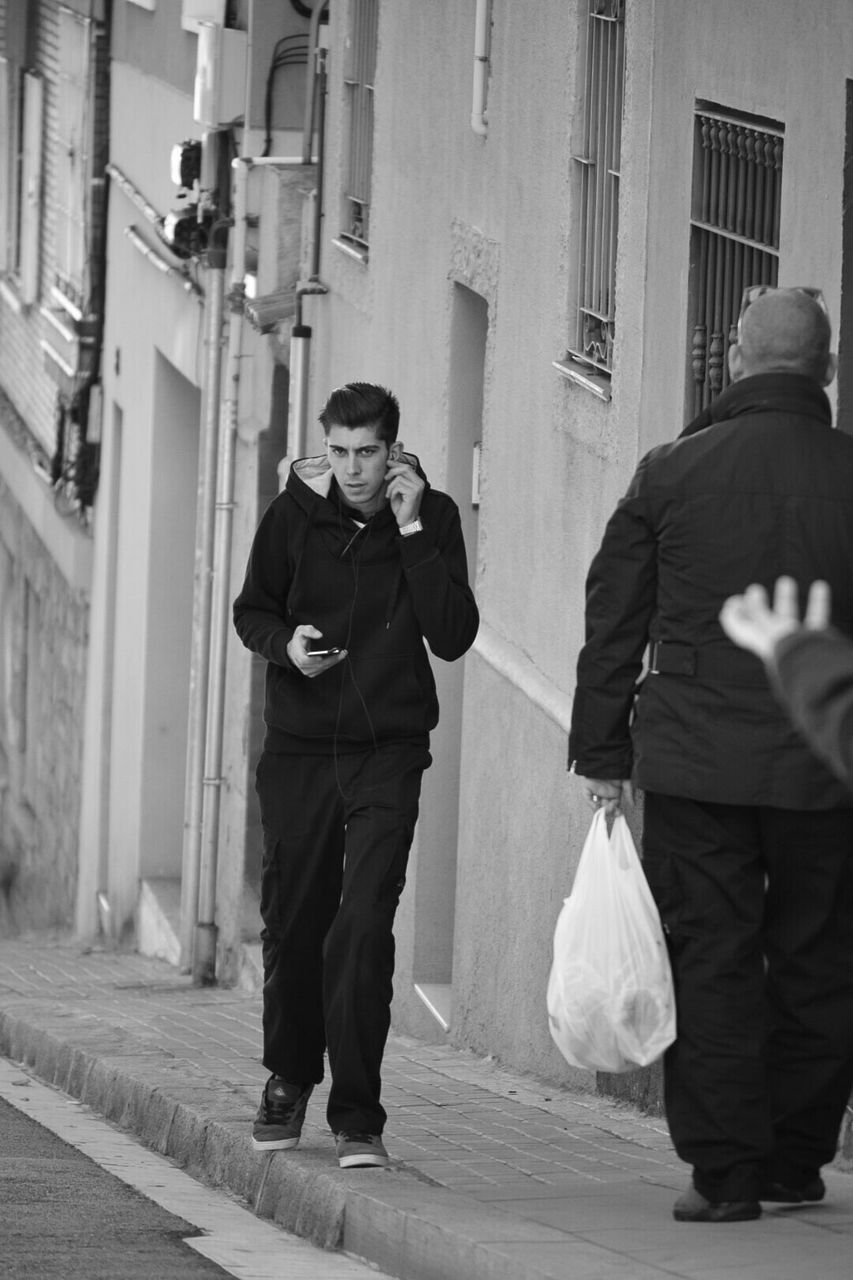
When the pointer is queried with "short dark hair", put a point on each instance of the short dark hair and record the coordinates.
(362, 404)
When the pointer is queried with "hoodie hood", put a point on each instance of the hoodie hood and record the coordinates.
(313, 476)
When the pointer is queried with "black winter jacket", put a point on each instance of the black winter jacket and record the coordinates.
(765, 489)
(368, 591)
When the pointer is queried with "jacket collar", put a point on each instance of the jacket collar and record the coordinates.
(766, 393)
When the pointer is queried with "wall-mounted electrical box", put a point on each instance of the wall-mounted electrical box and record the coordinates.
(220, 76)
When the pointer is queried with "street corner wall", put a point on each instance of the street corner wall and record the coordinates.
(43, 637)
(519, 841)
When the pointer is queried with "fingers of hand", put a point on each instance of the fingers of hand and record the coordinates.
(818, 606)
(314, 666)
(785, 599)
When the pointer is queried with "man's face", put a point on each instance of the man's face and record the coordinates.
(359, 462)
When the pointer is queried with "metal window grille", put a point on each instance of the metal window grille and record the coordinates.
(598, 166)
(359, 75)
(737, 184)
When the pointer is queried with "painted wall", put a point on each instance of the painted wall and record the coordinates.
(153, 355)
(498, 216)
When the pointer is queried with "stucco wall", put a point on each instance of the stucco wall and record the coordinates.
(153, 356)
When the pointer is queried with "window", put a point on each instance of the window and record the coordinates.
(597, 167)
(359, 71)
(21, 110)
(73, 159)
(734, 240)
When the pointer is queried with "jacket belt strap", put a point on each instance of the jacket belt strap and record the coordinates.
(720, 666)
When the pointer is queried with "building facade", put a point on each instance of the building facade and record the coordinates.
(534, 223)
(546, 267)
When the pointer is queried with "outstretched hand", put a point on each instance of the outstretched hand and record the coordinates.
(751, 622)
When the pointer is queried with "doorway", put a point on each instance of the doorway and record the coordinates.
(435, 894)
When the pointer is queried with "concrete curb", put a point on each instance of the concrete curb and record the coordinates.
(403, 1224)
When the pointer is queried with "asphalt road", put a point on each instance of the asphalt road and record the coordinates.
(61, 1216)
(82, 1200)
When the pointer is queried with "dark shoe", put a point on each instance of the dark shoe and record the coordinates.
(778, 1193)
(278, 1124)
(693, 1207)
(360, 1150)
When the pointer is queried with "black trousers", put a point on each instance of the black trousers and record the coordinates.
(757, 904)
(337, 834)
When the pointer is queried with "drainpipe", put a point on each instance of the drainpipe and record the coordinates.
(481, 67)
(204, 951)
(300, 337)
(200, 644)
(311, 86)
(297, 400)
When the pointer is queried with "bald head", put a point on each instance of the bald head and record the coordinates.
(784, 332)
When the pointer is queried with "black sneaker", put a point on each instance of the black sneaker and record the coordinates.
(278, 1124)
(360, 1150)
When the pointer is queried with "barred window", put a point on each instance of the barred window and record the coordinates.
(734, 239)
(598, 168)
(359, 72)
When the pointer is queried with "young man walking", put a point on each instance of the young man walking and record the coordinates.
(354, 566)
(748, 836)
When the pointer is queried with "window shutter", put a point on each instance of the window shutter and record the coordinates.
(31, 187)
(5, 164)
(72, 155)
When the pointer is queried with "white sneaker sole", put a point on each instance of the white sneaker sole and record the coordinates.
(363, 1162)
(276, 1144)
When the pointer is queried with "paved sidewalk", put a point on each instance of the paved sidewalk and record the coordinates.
(493, 1177)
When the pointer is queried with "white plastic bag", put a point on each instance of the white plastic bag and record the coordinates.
(611, 1005)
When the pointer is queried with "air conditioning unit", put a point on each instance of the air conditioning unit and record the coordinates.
(220, 76)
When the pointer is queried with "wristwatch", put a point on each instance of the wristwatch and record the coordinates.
(406, 530)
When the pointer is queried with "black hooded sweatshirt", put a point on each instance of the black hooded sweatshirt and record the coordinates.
(368, 590)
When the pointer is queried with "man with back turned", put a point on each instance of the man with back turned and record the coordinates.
(748, 836)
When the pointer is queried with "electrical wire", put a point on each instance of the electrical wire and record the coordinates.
(355, 559)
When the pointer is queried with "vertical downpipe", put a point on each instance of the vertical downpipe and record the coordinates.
(204, 958)
(203, 581)
(200, 657)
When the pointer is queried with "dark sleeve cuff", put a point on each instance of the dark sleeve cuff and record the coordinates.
(417, 548)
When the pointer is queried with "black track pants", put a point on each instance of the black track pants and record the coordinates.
(337, 835)
(758, 907)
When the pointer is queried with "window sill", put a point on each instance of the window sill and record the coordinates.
(351, 250)
(584, 376)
